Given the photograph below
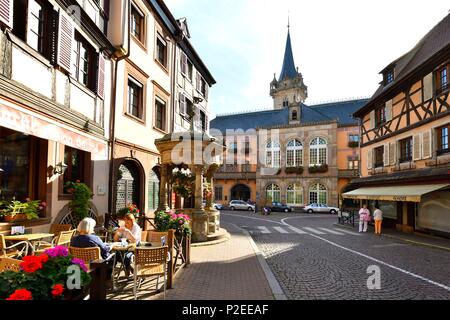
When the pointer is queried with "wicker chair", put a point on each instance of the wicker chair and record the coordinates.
(155, 236)
(150, 262)
(56, 229)
(11, 251)
(8, 264)
(86, 254)
(63, 239)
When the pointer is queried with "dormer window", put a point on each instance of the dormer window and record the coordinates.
(285, 102)
(389, 77)
(294, 115)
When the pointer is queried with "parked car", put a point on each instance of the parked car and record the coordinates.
(281, 207)
(241, 205)
(217, 206)
(317, 207)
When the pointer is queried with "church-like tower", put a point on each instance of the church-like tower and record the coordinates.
(289, 89)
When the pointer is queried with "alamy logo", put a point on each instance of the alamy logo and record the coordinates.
(74, 278)
(374, 280)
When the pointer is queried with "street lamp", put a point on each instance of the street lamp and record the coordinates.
(60, 168)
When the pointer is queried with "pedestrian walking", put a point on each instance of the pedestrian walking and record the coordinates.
(378, 217)
(364, 217)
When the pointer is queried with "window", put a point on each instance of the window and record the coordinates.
(218, 193)
(318, 152)
(380, 116)
(83, 67)
(295, 194)
(153, 191)
(272, 155)
(135, 104)
(294, 153)
(190, 69)
(161, 51)
(389, 77)
(442, 79)
(160, 114)
(285, 102)
(379, 155)
(294, 115)
(203, 121)
(203, 87)
(318, 194)
(406, 150)
(137, 24)
(442, 139)
(353, 164)
(76, 161)
(273, 193)
(353, 138)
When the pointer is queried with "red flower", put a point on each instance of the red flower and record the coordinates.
(58, 290)
(20, 294)
(31, 264)
(78, 181)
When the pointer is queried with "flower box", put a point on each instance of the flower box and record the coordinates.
(318, 168)
(353, 144)
(296, 170)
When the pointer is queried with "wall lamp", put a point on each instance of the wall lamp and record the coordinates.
(59, 168)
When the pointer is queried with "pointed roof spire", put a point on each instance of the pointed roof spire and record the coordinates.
(288, 70)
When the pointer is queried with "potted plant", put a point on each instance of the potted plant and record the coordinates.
(80, 201)
(28, 210)
(318, 168)
(297, 170)
(49, 276)
(170, 220)
(353, 144)
(130, 208)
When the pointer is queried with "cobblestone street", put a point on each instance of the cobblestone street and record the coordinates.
(312, 258)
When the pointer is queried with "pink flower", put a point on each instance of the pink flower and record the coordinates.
(44, 204)
(27, 199)
(58, 251)
(80, 263)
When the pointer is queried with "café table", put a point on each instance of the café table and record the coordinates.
(29, 237)
(121, 250)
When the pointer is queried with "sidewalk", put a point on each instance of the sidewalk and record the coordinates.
(412, 238)
(226, 271)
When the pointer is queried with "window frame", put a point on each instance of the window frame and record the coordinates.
(405, 150)
(159, 39)
(440, 150)
(440, 87)
(142, 24)
(80, 43)
(272, 149)
(378, 157)
(163, 103)
(297, 154)
(140, 106)
(315, 148)
(380, 116)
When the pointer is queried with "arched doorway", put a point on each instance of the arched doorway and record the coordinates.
(240, 192)
(128, 188)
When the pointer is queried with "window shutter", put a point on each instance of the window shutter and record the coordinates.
(386, 155)
(66, 33)
(392, 154)
(428, 87)
(369, 159)
(426, 144)
(416, 147)
(206, 90)
(6, 12)
(389, 110)
(101, 76)
(198, 81)
(183, 62)
(182, 102)
(372, 120)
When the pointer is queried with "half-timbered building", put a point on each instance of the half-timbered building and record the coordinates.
(405, 150)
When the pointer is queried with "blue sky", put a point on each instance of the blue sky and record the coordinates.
(339, 46)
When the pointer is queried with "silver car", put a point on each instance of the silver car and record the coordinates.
(241, 205)
(317, 207)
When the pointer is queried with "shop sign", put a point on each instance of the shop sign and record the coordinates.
(32, 125)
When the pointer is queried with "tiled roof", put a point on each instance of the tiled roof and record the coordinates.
(340, 111)
(288, 70)
(435, 40)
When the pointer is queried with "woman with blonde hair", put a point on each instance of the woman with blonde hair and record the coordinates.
(86, 237)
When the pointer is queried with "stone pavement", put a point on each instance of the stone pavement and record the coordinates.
(226, 271)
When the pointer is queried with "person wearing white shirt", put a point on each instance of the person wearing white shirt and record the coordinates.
(132, 232)
(378, 217)
(364, 216)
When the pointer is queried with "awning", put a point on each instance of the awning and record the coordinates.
(410, 193)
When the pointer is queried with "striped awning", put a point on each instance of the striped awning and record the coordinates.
(412, 193)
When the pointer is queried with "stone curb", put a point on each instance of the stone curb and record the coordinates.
(211, 243)
(402, 239)
(277, 292)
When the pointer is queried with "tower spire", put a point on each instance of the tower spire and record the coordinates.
(288, 70)
(289, 24)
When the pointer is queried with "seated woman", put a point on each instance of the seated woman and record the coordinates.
(132, 232)
(87, 239)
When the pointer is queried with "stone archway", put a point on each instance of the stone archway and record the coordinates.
(129, 184)
(240, 192)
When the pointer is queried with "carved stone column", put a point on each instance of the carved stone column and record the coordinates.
(198, 171)
(209, 197)
(163, 205)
